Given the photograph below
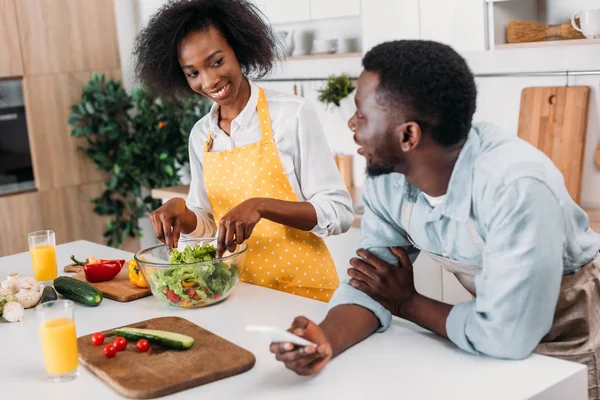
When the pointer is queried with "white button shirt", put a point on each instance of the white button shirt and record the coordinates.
(303, 149)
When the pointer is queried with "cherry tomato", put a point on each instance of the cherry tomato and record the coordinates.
(120, 343)
(97, 339)
(142, 345)
(110, 350)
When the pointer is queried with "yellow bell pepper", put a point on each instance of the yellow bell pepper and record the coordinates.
(135, 276)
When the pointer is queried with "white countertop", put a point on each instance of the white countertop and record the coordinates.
(405, 362)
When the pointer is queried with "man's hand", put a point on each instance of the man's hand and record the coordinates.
(391, 286)
(304, 360)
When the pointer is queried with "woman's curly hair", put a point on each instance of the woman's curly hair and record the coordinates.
(239, 21)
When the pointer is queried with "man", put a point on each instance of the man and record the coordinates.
(490, 208)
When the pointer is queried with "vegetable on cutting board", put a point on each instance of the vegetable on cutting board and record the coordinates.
(120, 343)
(170, 340)
(135, 275)
(110, 350)
(142, 345)
(97, 339)
(48, 294)
(99, 270)
(78, 291)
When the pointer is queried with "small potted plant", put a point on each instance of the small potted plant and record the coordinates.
(338, 93)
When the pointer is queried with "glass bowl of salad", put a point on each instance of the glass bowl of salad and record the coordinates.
(191, 275)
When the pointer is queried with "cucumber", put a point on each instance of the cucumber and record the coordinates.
(78, 291)
(170, 340)
(48, 294)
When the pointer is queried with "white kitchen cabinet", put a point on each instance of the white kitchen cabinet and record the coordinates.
(279, 13)
(385, 20)
(457, 23)
(321, 9)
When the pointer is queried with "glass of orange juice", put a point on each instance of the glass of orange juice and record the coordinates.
(42, 248)
(59, 340)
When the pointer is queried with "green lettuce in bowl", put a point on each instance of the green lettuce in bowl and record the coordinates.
(191, 276)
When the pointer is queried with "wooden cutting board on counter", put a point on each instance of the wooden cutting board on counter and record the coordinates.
(119, 288)
(554, 119)
(161, 371)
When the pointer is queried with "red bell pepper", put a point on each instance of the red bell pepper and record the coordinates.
(99, 270)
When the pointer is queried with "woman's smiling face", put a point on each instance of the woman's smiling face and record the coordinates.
(210, 66)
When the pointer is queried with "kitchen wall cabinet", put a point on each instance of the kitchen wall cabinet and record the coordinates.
(57, 161)
(322, 9)
(385, 20)
(277, 13)
(457, 23)
(21, 213)
(10, 50)
(67, 35)
(69, 213)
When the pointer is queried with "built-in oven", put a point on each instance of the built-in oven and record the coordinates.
(16, 169)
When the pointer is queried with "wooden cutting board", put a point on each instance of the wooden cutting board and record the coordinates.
(160, 371)
(554, 119)
(119, 288)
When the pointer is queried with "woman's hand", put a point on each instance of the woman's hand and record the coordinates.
(170, 219)
(237, 225)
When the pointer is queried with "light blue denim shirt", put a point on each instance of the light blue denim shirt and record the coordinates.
(534, 234)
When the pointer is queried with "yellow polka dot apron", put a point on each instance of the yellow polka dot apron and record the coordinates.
(278, 257)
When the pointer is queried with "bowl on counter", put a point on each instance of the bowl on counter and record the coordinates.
(192, 283)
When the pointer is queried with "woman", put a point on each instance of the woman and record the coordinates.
(261, 168)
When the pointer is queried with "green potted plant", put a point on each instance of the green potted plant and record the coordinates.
(139, 141)
(338, 93)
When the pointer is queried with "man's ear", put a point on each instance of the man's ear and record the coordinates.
(409, 135)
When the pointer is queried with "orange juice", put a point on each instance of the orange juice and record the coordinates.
(59, 346)
(43, 258)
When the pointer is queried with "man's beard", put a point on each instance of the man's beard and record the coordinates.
(381, 168)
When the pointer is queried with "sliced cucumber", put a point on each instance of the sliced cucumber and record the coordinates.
(166, 339)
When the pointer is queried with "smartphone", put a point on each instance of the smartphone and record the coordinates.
(278, 335)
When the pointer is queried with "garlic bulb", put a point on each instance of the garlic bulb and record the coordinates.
(13, 312)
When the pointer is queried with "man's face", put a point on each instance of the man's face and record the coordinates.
(372, 126)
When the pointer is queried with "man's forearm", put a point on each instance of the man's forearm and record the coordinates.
(427, 313)
(348, 324)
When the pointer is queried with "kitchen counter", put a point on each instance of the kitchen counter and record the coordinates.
(182, 191)
(404, 362)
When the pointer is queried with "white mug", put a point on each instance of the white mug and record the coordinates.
(590, 23)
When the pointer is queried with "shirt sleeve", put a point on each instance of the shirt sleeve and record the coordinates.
(319, 178)
(378, 234)
(519, 285)
(197, 199)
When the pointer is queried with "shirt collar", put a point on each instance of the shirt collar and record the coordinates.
(244, 117)
(459, 195)
(457, 204)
